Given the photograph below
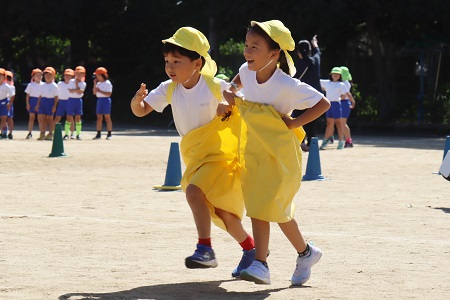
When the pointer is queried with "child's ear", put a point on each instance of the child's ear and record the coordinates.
(198, 63)
(276, 53)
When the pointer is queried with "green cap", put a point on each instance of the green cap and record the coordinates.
(336, 70)
(223, 77)
(346, 74)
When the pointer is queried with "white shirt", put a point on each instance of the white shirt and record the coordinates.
(191, 108)
(334, 89)
(64, 93)
(6, 91)
(73, 86)
(49, 90)
(33, 89)
(14, 90)
(281, 91)
(105, 86)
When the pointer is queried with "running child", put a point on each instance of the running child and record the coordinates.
(75, 105)
(209, 142)
(63, 100)
(334, 87)
(33, 91)
(6, 92)
(270, 152)
(46, 105)
(10, 116)
(103, 90)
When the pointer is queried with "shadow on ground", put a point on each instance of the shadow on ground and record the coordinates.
(185, 290)
(444, 209)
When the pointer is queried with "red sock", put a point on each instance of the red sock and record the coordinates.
(248, 243)
(206, 242)
(349, 140)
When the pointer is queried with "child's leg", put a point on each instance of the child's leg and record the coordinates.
(347, 132)
(308, 255)
(3, 125)
(78, 125)
(203, 256)
(330, 128)
(10, 122)
(31, 121)
(42, 120)
(51, 124)
(108, 122)
(99, 122)
(68, 125)
(258, 271)
(202, 217)
(237, 231)
(340, 130)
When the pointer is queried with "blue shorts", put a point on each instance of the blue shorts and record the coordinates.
(103, 106)
(335, 111)
(61, 110)
(11, 112)
(346, 110)
(75, 107)
(46, 105)
(3, 108)
(33, 102)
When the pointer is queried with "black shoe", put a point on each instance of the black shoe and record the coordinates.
(10, 136)
(4, 136)
(109, 136)
(79, 137)
(66, 137)
(29, 136)
(348, 145)
(97, 137)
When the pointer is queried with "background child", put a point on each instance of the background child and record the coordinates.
(5, 92)
(347, 103)
(63, 99)
(334, 88)
(209, 145)
(10, 116)
(103, 91)
(33, 91)
(46, 105)
(75, 105)
(269, 187)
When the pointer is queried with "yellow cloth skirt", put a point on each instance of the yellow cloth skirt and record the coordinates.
(271, 162)
(210, 154)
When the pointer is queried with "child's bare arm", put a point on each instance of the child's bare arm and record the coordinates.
(236, 85)
(139, 107)
(310, 115)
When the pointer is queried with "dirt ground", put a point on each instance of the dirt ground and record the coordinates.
(90, 225)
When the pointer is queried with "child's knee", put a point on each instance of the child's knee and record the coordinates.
(193, 193)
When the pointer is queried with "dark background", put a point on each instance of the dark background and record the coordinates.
(397, 51)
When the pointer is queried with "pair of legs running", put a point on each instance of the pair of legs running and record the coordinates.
(329, 131)
(204, 256)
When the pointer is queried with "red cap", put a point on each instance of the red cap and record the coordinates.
(37, 70)
(80, 69)
(9, 73)
(2, 72)
(69, 72)
(50, 70)
(100, 71)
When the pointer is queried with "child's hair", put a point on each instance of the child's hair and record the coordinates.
(272, 46)
(192, 55)
(103, 76)
(331, 77)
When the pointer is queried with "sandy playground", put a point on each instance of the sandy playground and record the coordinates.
(90, 226)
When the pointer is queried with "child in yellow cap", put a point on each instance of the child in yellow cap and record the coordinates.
(269, 143)
(209, 142)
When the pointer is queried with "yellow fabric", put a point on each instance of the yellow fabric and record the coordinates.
(194, 40)
(210, 154)
(282, 36)
(270, 158)
(212, 83)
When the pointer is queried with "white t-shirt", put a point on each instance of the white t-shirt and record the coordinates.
(334, 89)
(105, 86)
(73, 86)
(49, 90)
(63, 90)
(14, 91)
(33, 89)
(6, 91)
(191, 108)
(348, 87)
(281, 91)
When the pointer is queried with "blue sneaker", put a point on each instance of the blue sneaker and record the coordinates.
(303, 267)
(247, 258)
(257, 273)
(202, 258)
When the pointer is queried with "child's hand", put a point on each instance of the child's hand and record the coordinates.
(314, 42)
(53, 109)
(28, 107)
(288, 121)
(223, 110)
(36, 107)
(142, 92)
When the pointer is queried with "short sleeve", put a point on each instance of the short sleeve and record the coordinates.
(27, 90)
(157, 98)
(82, 85)
(323, 83)
(304, 96)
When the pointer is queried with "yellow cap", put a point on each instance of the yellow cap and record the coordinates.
(276, 30)
(193, 40)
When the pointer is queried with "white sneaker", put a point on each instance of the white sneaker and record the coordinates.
(303, 268)
(257, 272)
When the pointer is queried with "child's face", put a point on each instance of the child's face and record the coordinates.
(257, 52)
(99, 77)
(180, 68)
(37, 77)
(79, 75)
(48, 77)
(67, 77)
(335, 76)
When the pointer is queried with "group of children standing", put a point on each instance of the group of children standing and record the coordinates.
(52, 101)
(240, 151)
